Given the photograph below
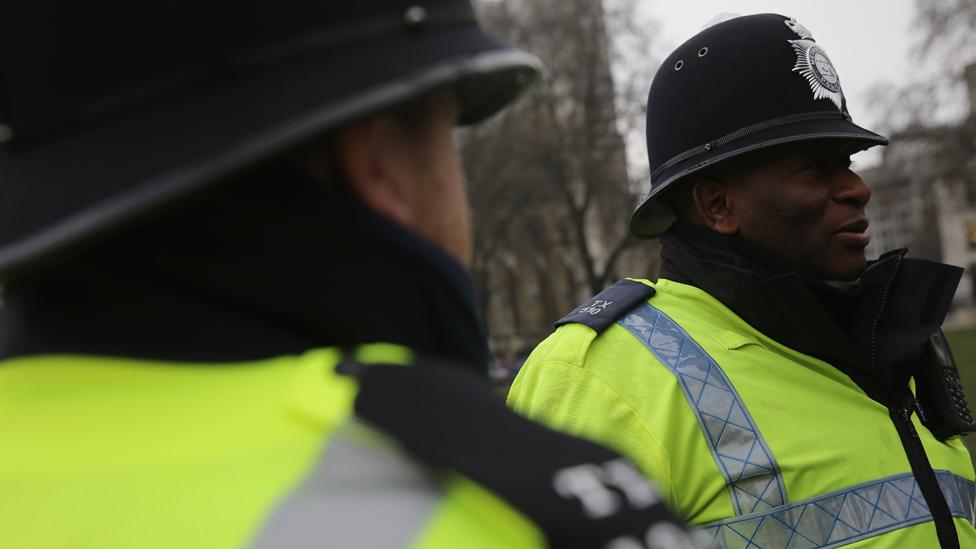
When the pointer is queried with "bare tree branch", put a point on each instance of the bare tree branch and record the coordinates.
(551, 187)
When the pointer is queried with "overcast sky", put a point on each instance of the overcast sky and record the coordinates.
(868, 41)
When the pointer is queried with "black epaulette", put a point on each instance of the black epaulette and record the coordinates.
(606, 307)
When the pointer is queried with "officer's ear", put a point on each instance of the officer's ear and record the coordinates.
(376, 168)
(712, 206)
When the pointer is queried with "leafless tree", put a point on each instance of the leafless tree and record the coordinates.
(550, 183)
(943, 48)
(946, 27)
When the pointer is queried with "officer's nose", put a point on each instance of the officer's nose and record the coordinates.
(852, 189)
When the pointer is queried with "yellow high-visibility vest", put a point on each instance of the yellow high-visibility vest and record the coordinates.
(759, 445)
(109, 453)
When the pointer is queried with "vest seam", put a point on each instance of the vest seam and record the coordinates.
(560, 339)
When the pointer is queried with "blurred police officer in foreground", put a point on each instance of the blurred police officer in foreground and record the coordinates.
(232, 238)
(765, 378)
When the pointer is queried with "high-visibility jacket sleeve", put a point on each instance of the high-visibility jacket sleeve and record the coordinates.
(562, 385)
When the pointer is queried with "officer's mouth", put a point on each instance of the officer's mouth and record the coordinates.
(854, 234)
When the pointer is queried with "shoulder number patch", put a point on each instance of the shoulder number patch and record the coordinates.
(605, 308)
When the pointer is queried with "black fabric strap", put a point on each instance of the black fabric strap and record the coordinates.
(580, 494)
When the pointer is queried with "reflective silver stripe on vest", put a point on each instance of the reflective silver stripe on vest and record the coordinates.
(751, 473)
(363, 495)
(845, 516)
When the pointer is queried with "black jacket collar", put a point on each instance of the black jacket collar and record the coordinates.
(873, 330)
(270, 266)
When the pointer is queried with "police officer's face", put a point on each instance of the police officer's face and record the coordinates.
(806, 206)
(407, 169)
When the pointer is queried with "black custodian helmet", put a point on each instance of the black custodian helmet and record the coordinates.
(112, 108)
(741, 85)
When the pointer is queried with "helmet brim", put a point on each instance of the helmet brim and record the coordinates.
(652, 218)
(90, 180)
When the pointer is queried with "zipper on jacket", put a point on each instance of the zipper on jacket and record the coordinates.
(901, 416)
(925, 477)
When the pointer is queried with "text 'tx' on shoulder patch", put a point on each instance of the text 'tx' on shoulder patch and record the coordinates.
(605, 308)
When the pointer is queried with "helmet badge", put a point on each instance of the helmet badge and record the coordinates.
(814, 65)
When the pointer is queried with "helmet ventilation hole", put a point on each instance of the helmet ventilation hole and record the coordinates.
(414, 17)
(703, 52)
(679, 65)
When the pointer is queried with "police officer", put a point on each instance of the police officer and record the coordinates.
(232, 238)
(784, 391)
